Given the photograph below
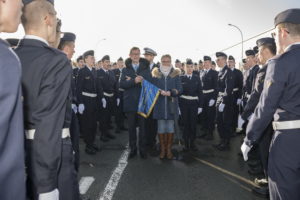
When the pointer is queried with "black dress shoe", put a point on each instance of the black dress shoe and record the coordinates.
(223, 147)
(95, 147)
(261, 191)
(217, 145)
(90, 150)
(118, 130)
(124, 128)
(104, 139)
(110, 127)
(193, 147)
(256, 171)
(209, 137)
(132, 154)
(143, 155)
(110, 136)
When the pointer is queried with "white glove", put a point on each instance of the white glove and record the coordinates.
(53, 195)
(199, 110)
(179, 111)
(118, 101)
(245, 150)
(250, 116)
(74, 108)
(80, 108)
(103, 102)
(239, 101)
(221, 107)
(240, 122)
(211, 102)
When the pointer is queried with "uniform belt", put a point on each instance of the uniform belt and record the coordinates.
(221, 93)
(30, 133)
(235, 89)
(208, 91)
(285, 125)
(108, 94)
(189, 97)
(89, 94)
(121, 89)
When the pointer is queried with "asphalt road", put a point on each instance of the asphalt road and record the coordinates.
(205, 174)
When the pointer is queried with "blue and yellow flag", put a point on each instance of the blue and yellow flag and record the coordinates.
(148, 98)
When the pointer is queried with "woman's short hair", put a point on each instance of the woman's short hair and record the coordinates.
(166, 56)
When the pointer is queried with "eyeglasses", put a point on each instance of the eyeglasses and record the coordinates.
(273, 34)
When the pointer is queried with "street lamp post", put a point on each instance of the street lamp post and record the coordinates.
(99, 42)
(241, 36)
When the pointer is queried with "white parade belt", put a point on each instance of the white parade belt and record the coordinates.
(89, 94)
(285, 125)
(208, 91)
(108, 94)
(188, 97)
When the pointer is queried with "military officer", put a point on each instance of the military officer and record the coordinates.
(209, 80)
(119, 115)
(150, 123)
(67, 45)
(191, 103)
(46, 82)
(267, 50)
(225, 102)
(253, 69)
(279, 102)
(12, 168)
(237, 91)
(106, 80)
(89, 95)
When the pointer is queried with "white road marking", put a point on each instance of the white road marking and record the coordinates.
(85, 183)
(113, 182)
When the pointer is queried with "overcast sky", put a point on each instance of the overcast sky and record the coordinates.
(182, 28)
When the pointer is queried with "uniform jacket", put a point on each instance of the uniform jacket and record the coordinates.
(209, 81)
(249, 84)
(280, 96)
(87, 82)
(191, 87)
(107, 80)
(167, 107)
(132, 91)
(46, 84)
(12, 167)
(238, 83)
(255, 95)
(225, 86)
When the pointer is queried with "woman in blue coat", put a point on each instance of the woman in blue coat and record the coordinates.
(166, 109)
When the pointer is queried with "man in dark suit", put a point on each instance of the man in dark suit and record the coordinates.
(46, 83)
(12, 167)
(137, 69)
(279, 102)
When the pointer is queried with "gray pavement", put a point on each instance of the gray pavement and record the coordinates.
(206, 174)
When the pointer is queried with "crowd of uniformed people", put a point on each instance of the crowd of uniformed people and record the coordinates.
(49, 101)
